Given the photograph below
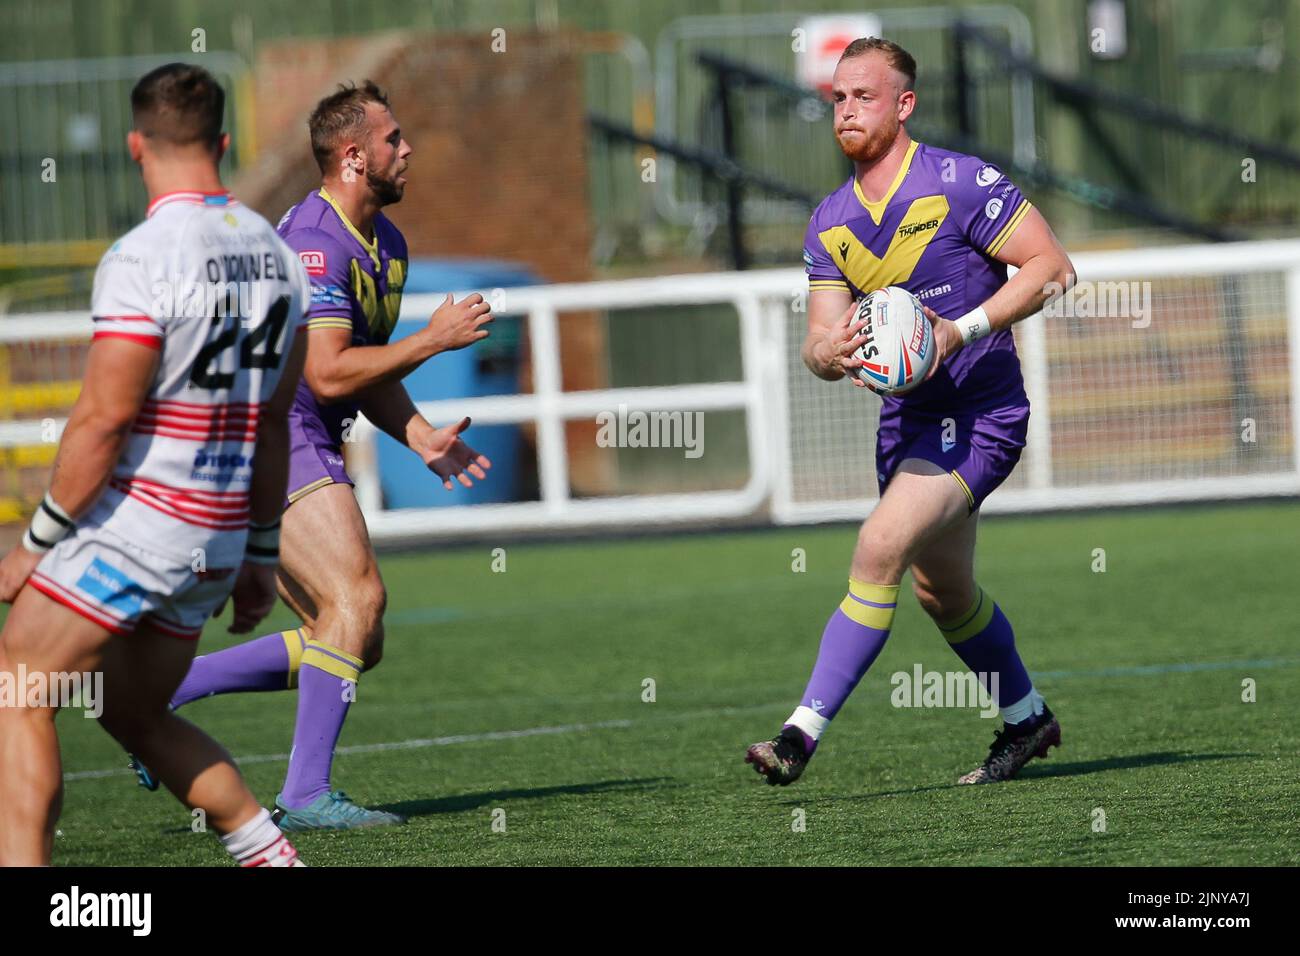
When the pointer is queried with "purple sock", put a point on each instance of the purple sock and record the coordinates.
(853, 638)
(264, 663)
(983, 639)
(326, 687)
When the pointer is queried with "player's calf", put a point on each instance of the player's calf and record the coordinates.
(31, 786)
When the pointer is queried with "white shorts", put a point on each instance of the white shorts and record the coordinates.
(110, 581)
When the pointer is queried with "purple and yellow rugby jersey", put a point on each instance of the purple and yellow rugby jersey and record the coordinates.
(934, 233)
(356, 285)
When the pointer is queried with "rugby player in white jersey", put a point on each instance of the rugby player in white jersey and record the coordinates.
(177, 442)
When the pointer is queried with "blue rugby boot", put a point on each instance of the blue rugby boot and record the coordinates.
(331, 811)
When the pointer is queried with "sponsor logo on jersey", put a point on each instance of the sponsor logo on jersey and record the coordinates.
(331, 295)
(808, 259)
(111, 588)
(912, 228)
(206, 459)
(937, 290)
(844, 251)
(987, 176)
(221, 468)
(314, 261)
(993, 208)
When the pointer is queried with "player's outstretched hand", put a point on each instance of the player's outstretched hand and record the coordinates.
(947, 339)
(15, 569)
(842, 340)
(253, 596)
(448, 457)
(455, 325)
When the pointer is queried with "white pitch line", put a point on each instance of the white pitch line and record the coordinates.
(415, 744)
(1148, 670)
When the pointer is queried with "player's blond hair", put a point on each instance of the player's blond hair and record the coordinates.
(898, 58)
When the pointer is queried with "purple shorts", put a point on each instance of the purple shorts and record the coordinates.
(979, 449)
(312, 465)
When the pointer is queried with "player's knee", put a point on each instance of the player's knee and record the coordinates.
(880, 558)
(941, 603)
(362, 605)
(372, 602)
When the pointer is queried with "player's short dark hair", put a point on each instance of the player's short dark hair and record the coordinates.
(341, 116)
(179, 104)
(898, 58)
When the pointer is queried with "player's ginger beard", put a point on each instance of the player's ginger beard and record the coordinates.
(882, 149)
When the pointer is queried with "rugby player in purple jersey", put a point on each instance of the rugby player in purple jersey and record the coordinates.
(944, 226)
(356, 260)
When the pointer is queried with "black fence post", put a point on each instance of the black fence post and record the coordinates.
(963, 83)
(734, 185)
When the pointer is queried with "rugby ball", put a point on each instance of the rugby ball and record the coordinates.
(899, 346)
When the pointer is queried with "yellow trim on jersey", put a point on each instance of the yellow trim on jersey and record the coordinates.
(877, 208)
(305, 489)
(970, 495)
(371, 247)
(836, 285)
(1005, 233)
(972, 622)
(330, 322)
(920, 224)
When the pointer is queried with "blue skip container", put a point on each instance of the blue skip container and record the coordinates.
(489, 367)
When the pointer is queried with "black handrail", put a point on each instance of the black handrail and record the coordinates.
(1101, 197)
(1136, 107)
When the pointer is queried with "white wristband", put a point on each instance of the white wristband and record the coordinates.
(263, 545)
(974, 325)
(49, 526)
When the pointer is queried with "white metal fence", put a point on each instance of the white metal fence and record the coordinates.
(1186, 391)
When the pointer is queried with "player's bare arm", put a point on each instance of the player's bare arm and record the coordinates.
(390, 408)
(1043, 271)
(336, 369)
(118, 376)
(254, 594)
(833, 335)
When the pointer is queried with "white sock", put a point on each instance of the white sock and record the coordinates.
(809, 721)
(1031, 705)
(259, 842)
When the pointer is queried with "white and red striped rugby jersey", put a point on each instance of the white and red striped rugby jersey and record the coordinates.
(210, 284)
